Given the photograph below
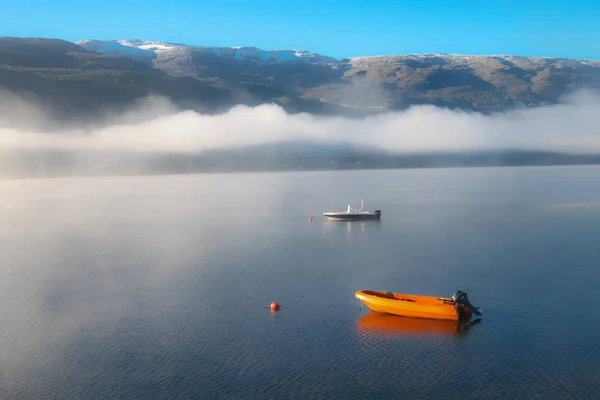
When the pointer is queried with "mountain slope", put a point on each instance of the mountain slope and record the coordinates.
(153, 50)
(78, 79)
(483, 83)
(476, 82)
(77, 83)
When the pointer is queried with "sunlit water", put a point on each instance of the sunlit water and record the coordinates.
(157, 287)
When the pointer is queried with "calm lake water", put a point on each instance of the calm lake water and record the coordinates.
(157, 287)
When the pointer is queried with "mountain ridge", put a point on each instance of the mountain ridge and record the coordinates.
(80, 78)
(150, 42)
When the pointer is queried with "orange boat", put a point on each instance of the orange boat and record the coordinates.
(453, 308)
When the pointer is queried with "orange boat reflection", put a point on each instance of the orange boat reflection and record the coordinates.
(382, 324)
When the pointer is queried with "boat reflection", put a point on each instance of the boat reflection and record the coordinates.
(382, 324)
(350, 226)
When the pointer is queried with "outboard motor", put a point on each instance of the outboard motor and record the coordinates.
(377, 214)
(461, 299)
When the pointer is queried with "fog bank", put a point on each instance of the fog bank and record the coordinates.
(155, 127)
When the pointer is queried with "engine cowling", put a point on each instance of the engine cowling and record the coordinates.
(461, 300)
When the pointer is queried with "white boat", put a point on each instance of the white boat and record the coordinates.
(353, 214)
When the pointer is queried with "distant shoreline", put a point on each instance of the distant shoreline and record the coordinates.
(289, 170)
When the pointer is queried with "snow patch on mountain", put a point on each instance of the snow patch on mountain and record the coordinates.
(114, 47)
(249, 53)
(144, 48)
(156, 47)
(452, 57)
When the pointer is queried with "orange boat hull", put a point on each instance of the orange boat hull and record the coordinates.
(409, 305)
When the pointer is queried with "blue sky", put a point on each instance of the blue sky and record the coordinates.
(338, 28)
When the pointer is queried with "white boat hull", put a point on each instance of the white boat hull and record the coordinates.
(352, 216)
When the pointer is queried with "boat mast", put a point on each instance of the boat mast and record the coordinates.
(362, 206)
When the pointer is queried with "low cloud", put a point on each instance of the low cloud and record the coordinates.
(156, 126)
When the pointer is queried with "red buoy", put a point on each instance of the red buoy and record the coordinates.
(274, 306)
(310, 218)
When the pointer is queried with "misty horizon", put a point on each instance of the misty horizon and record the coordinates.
(156, 127)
